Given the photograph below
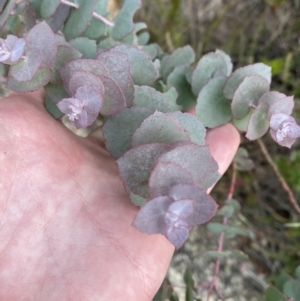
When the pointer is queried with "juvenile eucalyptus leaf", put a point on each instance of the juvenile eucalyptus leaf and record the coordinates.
(114, 99)
(242, 124)
(107, 43)
(204, 207)
(65, 54)
(166, 175)
(227, 60)
(73, 28)
(297, 272)
(238, 76)
(55, 92)
(87, 47)
(248, 94)
(159, 128)
(118, 68)
(292, 289)
(137, 200)
(177, 79)
(199, 163)
(82, 78)
(90, 66)
(136, 165)
(151, 218)
(210, 65)
(97, 28)
(258, 123)
(143, 38)
(25, 69)
(180, 57)
(145, 96)
(119, 129)
(242, 160)
(48, 8)
(57, 20)
(273, 294)
(281, 280)
(171, 95)
(52, 108)
(41, 37)
(153, 50)
(212, 108)
(142, 70)
(192, 125)
(40, 79)
(123, 21)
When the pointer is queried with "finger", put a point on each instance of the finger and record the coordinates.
(223, 142)
(35, 96)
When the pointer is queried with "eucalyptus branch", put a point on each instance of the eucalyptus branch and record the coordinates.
(95, 15)
(213, 284)
(284, 184)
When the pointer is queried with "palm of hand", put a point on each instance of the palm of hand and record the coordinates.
(65, 217)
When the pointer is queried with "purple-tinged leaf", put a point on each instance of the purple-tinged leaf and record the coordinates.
(204, 206)
(178, 233)
(197, 160)
(180, 57)
(57, 21)
(92, 99)
(114, 99)
(84, 108)
(192, 125)
(26, 68)
(145, 96)
(73, 108)
(65, 54)
(119, 129)
(212, 108)
(4, 51)
(17, 49)
(151, 218)
(118, 68)
(73, 28)
(248, 94)
(239, 74)
(142, 69)
(123, 21)
(48, 8)
(278, 103)
(40, 79)
(179, 210)
(210, 65)
(166, 175)
(82, 78)
(136, 164)
(91, 66)
(41, 37)
(159, 128)
(283, 129)
(258, 123)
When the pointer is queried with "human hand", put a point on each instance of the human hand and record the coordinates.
(65, 217)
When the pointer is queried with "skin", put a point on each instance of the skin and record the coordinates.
(65, 218)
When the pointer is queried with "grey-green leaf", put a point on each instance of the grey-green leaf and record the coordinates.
(238, 76)
(177, 79)
(210, 65)
(292, 289)
(180, 57)
(123, 21)
(258, 122)
(248, 94)
(212, 108)
(52, 108)
(73, 27)
(119, 129)
(48, 8)
(87, 47)
(143, 71)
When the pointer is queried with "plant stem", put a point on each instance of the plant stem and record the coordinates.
(213, 283)
(95, 15)
(282, 181)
